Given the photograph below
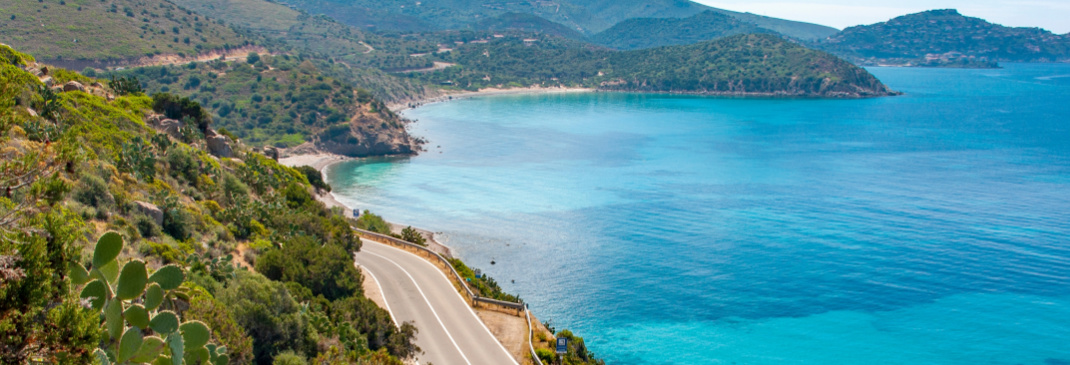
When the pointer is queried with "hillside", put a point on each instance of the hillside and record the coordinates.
(110, 31)
(756, 64)
(585, 16)
(641, 33)
(946, 35)
(236, 249)
(283, 102)
(527, 23)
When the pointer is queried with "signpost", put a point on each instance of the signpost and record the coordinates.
(562, 348)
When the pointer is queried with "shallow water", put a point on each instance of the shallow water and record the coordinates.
(927, 228)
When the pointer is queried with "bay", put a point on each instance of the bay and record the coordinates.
(932, 227)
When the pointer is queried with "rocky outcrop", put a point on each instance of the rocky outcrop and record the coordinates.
(166, 125)
(73, 86)
(150, 210)
(218, 144)
(369, 134)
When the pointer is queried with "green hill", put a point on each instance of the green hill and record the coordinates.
(114, 30)
(283, 102)
(754, 64)
(948, 35)
(641, 33)
(528, 23)
(586, 16)
(238, 249)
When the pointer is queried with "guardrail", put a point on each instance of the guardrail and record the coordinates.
(471, 296)
(531, 333)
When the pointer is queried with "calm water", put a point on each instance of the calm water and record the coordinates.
(932, 228)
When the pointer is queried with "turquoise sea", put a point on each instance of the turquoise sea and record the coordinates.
(929, 228)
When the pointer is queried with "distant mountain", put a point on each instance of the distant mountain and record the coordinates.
(946, 36)
(641, 33)
(746, 64)
(585, 16)
(524, 22)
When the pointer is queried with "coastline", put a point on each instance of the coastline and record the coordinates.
(323, 161)
(461, 94)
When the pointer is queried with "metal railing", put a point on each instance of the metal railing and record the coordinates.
(456, 276)
(531, 333)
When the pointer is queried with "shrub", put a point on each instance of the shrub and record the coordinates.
(327, 270)
(269, 314)
(93, 191)
(146, 226)
(314, 177)
(372, 222)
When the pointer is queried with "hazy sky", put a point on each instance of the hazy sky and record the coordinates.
(1053, 15)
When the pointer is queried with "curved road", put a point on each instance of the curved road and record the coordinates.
(450, 333)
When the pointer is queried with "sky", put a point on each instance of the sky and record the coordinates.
(1053, 15)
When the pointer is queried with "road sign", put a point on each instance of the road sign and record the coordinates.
(562, 345)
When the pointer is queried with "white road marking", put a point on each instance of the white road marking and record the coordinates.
(433, 312)
(386, 303)
(470, 310)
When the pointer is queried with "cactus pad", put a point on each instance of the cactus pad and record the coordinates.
(153, 296)
(137, 316)
(129, 344)
(132, 280)
(151, 347)
(169, 277)
(164, 322)
(195, 334)
(108, 247)
(79, 275)
(96, 292)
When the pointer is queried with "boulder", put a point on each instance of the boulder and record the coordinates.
(48, 81)
(33, 113)
(73, 86)
(271, 152)
(218, 145)
(170, 126)
(150, 210)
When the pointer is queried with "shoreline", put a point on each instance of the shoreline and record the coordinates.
(323, 161)
(461, 94)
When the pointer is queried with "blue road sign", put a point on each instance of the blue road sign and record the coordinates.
(562, 345)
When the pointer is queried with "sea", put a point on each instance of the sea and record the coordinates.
(927, 228)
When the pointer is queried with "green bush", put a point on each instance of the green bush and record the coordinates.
(289, 358)
(371, 222)
(146, 226)
(269, 314)
(314, 177)
(325, 269)
(93, 191)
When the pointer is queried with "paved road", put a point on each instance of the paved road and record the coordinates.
(415, 290)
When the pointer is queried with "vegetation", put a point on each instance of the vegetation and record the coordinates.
(526, 23)
(743, 64)
(642, 33)
(112, 30)
(483, 285)
(278, 101)
(946, 37)
(91, 168)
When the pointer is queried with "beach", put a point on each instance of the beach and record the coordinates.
(460, 94)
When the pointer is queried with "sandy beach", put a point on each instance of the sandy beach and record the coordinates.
(453, 95)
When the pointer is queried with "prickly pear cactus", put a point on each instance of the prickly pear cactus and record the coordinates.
(138, 311)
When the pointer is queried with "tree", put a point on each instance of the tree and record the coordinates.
(252, 58)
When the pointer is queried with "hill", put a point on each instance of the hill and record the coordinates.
(283, 102)
(641, 33)
(240, 253)
(527, 23)
(111, 32)
(949, 37)
(585, 16)
(755, 64)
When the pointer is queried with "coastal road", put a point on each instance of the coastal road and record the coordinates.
(450, 333)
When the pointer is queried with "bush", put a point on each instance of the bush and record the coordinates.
(93, 191)
(314, 177)
(289, 358)
(146, 226)
(327, 270)
(372, 222)
(269, 314)
(180, 108)
(412, 235)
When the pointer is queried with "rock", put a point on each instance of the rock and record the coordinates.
(48, 81)
(218, 145)
(150, 210)
(170, 126)
(33, 113)
(272, 152)
(73, 86)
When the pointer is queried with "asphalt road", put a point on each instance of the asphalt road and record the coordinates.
(450, 333)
